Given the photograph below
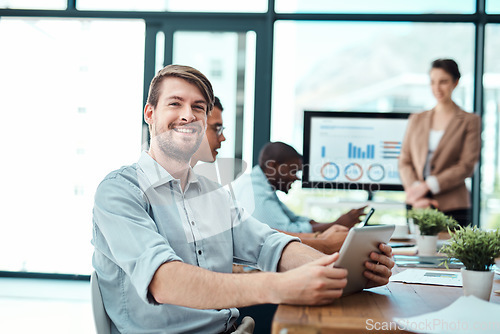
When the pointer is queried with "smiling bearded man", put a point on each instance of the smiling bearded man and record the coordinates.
(178, 121)
(165, 239)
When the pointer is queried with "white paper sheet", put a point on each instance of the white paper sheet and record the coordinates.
(466, 315)
(433, 277)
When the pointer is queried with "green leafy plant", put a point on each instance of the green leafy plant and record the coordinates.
(476, 248)
(432, 221)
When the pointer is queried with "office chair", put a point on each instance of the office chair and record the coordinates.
(101, 320)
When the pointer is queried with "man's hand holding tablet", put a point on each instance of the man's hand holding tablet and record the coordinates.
(378, 272)
(325, 278)
(367, 257)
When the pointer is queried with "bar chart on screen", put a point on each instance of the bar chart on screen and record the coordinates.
(356, 152)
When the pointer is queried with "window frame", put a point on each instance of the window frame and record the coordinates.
(263, 25)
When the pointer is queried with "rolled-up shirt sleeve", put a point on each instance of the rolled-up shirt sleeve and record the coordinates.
(255, 243)
(125, 233)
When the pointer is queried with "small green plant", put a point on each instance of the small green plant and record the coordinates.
(432, 221)
(476, 248)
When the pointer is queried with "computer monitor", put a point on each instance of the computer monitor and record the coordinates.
(352, 150)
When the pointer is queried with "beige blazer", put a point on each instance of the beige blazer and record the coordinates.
(453, 161)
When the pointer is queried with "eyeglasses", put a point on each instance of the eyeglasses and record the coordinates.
(218, 128)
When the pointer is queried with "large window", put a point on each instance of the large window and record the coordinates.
(228, 60)
(373, 67)
(33, 4)
(175, 5)
(359, 66)
(490, 167)
(379, 6)
(74, 75)
(71, 112)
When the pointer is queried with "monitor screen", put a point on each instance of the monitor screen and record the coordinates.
(352, 150)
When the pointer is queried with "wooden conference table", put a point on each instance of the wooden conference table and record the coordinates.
(370, 308)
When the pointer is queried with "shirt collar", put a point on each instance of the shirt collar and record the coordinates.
(156, 174)
(192, 178)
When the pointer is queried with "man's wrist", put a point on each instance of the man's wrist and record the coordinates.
(274, 288)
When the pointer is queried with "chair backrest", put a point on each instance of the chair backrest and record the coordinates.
(101, 319)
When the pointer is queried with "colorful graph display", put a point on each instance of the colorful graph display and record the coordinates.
(355, 152)
(391, 149)
(346, 149)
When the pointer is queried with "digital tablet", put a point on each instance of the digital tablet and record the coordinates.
(355, 251)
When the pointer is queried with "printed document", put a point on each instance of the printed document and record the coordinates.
(433, 277)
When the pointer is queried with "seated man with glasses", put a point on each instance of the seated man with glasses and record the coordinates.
(214, 136)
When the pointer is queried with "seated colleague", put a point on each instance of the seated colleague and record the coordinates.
(165, 239)
(214, 136)
(328, 242)
(277, 168)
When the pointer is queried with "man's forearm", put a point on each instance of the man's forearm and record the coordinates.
(187, 285)
(315, 282)
(326, 245)
(318, 244)
(320, 227)
(296, 254)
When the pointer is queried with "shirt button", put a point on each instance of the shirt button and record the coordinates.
(199, 252)
(192, 223)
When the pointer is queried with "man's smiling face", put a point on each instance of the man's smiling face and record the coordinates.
(178, 122)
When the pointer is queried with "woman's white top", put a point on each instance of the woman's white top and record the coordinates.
(434, 139)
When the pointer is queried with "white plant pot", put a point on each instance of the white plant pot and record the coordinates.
(477, 283)
(427, 245)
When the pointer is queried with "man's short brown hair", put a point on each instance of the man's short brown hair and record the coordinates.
(187, 73)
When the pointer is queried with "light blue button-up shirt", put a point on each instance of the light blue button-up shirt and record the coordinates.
(254, 192)
(142, 219)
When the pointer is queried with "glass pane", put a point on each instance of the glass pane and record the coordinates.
(175, 5)
(370, 67)
(380, 6)
(160, 51)
(493, 6)
(74, 92)
(490, 169)
(259, 6)
(33, 4)
(365, 67)
(228, 60)
(124, 5)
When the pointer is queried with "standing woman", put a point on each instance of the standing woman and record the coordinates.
(440, 149)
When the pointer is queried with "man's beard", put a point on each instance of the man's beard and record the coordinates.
(169, 145)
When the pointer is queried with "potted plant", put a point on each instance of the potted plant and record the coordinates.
(430, 222)
(477, 250)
